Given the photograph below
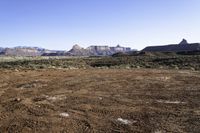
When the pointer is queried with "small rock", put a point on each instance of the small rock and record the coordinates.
(138, 67)
(191, 68)
(64, 114)
(100, 98)
(16, 70)
(17, 99)
(128, 67)
(158, 131)
(124, 121)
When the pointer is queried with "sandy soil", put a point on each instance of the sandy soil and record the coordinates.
(118, 100)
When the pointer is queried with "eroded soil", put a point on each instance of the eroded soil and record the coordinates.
(113, 100)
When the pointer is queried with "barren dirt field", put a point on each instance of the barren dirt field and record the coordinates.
(99, 100)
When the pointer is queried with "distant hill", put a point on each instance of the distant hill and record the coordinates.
(97, 50)
(2, 51)
(183, 46)
(21, 52)
(24, 51)
(75, 51)
(78, 51)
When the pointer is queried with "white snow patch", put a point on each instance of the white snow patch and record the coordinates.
(125, 121)
(64, 114)
(170, 102)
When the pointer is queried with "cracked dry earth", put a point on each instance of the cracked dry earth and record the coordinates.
(113, 100)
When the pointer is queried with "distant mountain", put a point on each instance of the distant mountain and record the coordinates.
(75, 51)
(96, 50)
(78, 51)
(2, 51)
(99, 50)
(183, 46)
(22, 51)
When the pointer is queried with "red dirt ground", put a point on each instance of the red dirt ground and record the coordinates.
(112, 100)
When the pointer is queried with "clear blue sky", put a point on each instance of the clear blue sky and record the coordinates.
(59, 24)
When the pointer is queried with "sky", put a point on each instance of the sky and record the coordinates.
(59, 24)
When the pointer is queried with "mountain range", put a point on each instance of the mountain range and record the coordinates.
(94, 50)
(75, 51)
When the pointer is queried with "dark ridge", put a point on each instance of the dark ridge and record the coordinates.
(181, 47)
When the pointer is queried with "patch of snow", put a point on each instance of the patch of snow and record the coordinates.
(64, 114)
(125, 121)
(170, 102)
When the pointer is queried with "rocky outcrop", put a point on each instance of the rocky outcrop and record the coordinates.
(183, 46)
(78, 51)
(97, 50)
(183, 42)
(21, 52)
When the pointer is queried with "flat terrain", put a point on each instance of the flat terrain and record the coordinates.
(99, 100)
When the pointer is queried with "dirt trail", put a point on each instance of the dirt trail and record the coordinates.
(113, 100)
